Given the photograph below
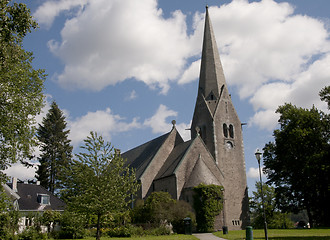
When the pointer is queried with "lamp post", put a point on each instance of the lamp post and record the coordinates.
(258, 157)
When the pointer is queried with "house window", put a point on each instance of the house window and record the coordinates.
(43, 199)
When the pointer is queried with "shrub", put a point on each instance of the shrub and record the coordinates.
(158, 231)
(181, 210)
(32, 233)
(72, 226)
(160, 208)
(121, 231)
(207, 204)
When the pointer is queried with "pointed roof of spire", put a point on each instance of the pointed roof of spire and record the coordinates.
(211, 77)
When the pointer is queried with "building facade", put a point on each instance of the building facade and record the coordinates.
(215, 153)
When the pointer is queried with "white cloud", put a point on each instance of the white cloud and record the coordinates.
(48, 11)
(270, 54)
(191, 73)
(303, 92)
(254, 173)
(158, 121)
(111, 40)
(21, 172)
(183, 130)
(104, 122)
(132, 95)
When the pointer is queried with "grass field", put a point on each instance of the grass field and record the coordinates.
(280, 234)
(171, 237)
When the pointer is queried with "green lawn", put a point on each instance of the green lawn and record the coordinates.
(280, 234)
(171, 237)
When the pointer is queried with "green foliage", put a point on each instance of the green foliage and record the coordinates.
(208, 203)
(180, 211)
(50, 217)
(298, 162)
(157, 207)
(325, 95)
(56, 150)
(32, 233)
(8, 224)
(160, 209)
(275, 219)
(100, 182)
(4, 200)
(21, 97)
(72, 226)
(121, 231)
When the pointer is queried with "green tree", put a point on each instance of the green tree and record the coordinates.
(100, 181)
(298, 162)
(56, 150)
(160, 208)
(325, 95)
(208, 203)
(275, 218)
(21, 97)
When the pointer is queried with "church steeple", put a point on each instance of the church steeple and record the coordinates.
(211, 79)
(221, 131)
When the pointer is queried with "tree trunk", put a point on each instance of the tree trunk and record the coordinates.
(310, 217)
(98, 227)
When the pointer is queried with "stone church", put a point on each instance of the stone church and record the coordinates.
(215, 153)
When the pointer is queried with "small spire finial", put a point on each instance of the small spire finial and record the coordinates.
(173, 123)
(197, 130)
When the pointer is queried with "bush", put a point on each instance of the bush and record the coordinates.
(121, 231)
(207, 204)
(160, 208)
(72, 226)
(32, 234)
(8, 225)
(158, 231)
(180, 211)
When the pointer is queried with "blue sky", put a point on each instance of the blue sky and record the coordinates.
(127, 68)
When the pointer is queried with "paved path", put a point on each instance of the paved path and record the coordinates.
(207, 236)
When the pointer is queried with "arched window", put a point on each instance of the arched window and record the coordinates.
(225, 130)
(231, 131)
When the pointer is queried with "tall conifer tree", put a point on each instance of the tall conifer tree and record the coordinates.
(56, 149)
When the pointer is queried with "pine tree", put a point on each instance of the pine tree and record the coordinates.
(56, 149)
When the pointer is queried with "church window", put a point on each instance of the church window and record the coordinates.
(231, 131)
(225, 130)
(229, 145)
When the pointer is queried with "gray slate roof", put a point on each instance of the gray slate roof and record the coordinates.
(173, 160)
(140, 157)
(29, 198)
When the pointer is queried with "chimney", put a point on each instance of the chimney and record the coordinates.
(14, 184)
(117, 151)
(38, 183)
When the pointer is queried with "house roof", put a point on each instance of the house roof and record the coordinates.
(140, 157)
(173, 160)
(29, 198)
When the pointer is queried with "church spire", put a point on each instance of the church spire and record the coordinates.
(211, 79)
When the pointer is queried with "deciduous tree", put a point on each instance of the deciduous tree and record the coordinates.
(56, 149)
(100, 182)
(275, 218)
(21, 86)
(298, 162)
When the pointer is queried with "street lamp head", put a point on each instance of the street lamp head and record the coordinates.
(258, 154)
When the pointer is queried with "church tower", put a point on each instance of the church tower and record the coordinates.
(217, 122)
